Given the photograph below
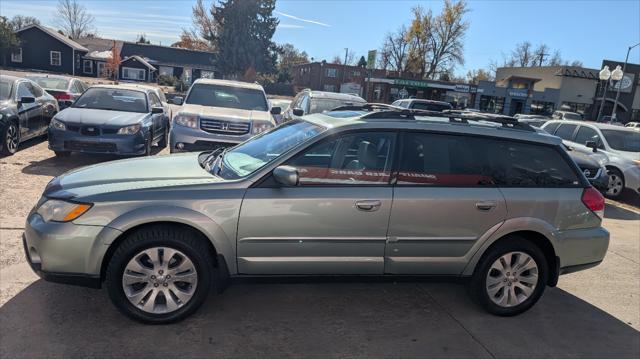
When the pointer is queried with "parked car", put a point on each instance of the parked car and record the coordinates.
(532, 120)
(283, 104)
(592, 169)
(218, 114)
(116, 119)
(309, 102)
(617, 147)
(64, 88)
(633, 124)
(567, 115)
(418, 104)
(503, 206)
(25, 112)
(168, 109)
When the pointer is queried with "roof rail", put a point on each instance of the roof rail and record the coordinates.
(455, 116)
(366, 107)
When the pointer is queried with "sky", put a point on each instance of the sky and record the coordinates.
(588, 31)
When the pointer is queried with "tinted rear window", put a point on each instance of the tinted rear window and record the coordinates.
(449, 160)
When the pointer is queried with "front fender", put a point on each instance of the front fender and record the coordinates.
(209, 228)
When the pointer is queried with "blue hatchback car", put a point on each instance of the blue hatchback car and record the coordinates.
(115, 119)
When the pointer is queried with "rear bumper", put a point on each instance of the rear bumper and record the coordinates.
(580, 249)
(69, 141)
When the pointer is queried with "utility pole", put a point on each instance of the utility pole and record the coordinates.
(542, 55)
(344, 67)
(615, 103)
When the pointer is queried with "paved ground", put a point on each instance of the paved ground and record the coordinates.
(591, 314)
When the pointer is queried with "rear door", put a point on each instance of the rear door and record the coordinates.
(445, 199)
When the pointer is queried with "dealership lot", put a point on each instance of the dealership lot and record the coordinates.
(594, 313)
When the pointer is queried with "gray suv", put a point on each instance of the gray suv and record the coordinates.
(385, 193)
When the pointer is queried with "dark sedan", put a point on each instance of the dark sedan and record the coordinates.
(64, 88)
(25, 112)
(110, 119)
(594, 171)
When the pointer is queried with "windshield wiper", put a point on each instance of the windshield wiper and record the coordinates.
(209, 161)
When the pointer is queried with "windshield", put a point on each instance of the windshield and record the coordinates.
(328, 104)
(227, 96)
(572, 116)
(5, 90)
(254, 154)
(623, 140)
(113, 99)
(51, 83)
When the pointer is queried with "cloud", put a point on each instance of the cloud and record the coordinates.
(301, 19)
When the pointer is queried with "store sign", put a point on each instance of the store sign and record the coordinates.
(371, 59)
(411, 83)
(625, 85)
(462, 88)
(518, 92)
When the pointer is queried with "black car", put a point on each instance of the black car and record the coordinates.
(25, 112)
(64, 88)
(116, 119)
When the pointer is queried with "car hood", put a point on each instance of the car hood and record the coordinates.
(633, 156)
(130, 174)
(87, 116)
(224, 113)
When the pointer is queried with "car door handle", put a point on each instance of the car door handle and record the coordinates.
(368, 205)
(486, 205)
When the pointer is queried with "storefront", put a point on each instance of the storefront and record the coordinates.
(388, 90)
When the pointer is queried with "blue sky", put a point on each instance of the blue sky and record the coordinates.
(582, 30)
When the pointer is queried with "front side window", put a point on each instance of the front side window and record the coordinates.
(623, 140)
(352, 159)
(55, 59)
(586, 134)
(24, 90)
(565, 131)
(155, 101)
(101, 98)
(35, 90)
(227, 96)
(550, 127)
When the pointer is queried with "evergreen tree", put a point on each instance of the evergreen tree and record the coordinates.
(362, 62)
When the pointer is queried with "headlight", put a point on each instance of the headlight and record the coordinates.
(61, 211)
(57, 124)
(186, 120)
(259, 127)
(129, 130)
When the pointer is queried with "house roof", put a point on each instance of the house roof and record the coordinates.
(65, 40)
(169, 56)
(97, 44)
(141, 60)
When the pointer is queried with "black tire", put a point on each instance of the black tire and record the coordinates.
(165, 138)
(10, 128)
(184, 240)
(62, 153)
(509, 244)
(615, 177)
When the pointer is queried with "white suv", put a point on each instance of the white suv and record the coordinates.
(220, 113)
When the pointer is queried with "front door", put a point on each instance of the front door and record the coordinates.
(30, 114)
(445, 199)
(334, 222)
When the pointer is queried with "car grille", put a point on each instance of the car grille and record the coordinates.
(89, 146)
(224, 127)
(590, 172)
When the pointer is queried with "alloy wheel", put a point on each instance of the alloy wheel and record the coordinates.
(12, 138)
(159, 280)
(512, 279)
(615, 185)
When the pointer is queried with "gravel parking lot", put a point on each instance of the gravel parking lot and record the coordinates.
(591, 314)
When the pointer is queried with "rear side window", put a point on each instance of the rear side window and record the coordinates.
(565, 131)
(551, 127)
(460, 161)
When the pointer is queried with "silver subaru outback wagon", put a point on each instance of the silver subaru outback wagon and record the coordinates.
(379, 193)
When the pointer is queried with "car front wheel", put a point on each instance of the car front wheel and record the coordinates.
(159, 274)
(616, 183)
(11, 138)
(511, 277)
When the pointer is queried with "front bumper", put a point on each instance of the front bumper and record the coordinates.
(71, 141)
(195, 139)
(66, 252)
(580, 249)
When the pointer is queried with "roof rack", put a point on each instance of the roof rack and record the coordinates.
(455, 116)
(366, 107)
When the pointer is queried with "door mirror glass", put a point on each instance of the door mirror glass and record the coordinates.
(286, 175)
(593, 145)
(276, 110)
(298, 112)
(157, 110)
(27, 99)
(177, 100)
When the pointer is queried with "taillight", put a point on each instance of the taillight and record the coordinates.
(63, 96)
(594, 200)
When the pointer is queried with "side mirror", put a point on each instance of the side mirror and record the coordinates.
(276, 110)
(157, 110)
(592, 144)
(27, 99)
(286, 175)
(298, 112)
(177, 100)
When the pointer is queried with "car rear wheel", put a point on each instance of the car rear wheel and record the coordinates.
(616, 183)
(511, 277)
(11, 139)
(160, 274)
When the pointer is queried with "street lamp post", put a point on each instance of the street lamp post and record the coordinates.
(624, 67)
(604, 75)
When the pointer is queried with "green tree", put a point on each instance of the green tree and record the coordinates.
(362, 62)
(243, 38)
(288, 57)
(8, 39)
(142, 39)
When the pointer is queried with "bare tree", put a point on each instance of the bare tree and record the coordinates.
(74, 19)
(204, 23)
(540, 55)
(336, 60)
(449, 29)
(556, 59)
(523, 55)
(394, 50)
(475, 76)
(20, 22)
